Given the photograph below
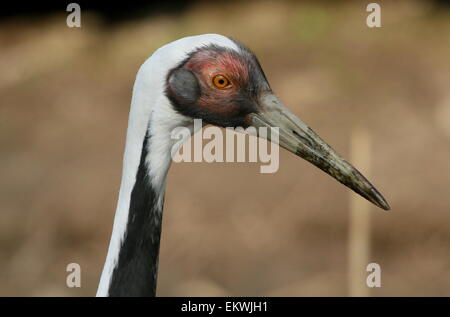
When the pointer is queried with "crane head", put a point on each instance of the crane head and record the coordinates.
(228, 88)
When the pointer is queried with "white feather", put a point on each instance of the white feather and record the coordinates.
(151, 108)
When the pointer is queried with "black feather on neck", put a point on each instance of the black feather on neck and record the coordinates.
(137, 268)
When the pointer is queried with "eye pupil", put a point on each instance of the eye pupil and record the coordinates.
(221, 82)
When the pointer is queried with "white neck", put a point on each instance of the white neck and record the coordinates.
(152, 113)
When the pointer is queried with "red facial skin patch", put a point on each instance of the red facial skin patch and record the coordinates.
(209, 63)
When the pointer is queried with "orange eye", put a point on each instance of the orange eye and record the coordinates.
(221, 82)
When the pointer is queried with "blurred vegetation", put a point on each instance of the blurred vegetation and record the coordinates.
(229, 230)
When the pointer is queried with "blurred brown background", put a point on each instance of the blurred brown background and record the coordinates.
(229, 230)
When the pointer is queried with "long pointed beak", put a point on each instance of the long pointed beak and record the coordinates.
(296, 137)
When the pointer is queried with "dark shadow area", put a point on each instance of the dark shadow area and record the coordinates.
(111, 13)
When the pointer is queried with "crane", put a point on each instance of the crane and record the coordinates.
(218, 80)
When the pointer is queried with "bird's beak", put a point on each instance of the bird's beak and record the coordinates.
(298, 138)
